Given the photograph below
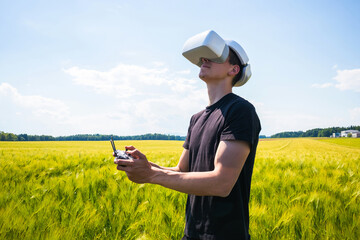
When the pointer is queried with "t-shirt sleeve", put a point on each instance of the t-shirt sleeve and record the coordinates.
(241, 123)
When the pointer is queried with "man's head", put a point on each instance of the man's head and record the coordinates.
(209, 45)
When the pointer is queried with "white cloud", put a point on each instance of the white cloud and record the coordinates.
(146, 100)
(281, 122)
(325, 85)
(123, 80)
(184, 72)
(275, 122)
(149, 99)
(102, 82)
(40, 106)
(158, 64)
(348, 80)
(355, 114)
(117, 123)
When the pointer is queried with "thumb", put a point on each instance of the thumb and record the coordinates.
(137, 154)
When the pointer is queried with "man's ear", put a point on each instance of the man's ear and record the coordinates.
(235, 69)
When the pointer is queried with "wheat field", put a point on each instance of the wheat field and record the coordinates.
(301, 189)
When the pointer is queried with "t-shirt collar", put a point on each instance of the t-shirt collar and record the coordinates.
(219, 102)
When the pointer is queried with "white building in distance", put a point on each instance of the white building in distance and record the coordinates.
(354, 133)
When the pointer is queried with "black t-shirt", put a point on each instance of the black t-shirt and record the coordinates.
(211, 217)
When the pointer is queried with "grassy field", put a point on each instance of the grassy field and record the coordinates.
(301, 189)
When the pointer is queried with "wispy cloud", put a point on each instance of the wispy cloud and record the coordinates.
(325, 85)
(348, 80)
(291, 121)
(156, 100)
(145, 100)
(39, 105)
(355, 114)
(130, 80)
(281, 122)
(345, 80)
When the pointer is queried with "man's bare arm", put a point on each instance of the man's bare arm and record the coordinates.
(229, 160)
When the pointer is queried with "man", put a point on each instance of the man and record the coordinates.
(216, 164)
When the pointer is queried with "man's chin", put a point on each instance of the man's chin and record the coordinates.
(202, 76)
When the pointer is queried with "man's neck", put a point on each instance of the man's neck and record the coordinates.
(217, 90)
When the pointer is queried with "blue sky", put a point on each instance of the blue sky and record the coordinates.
(115, 67)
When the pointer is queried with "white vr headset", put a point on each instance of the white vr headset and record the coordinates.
(210, 45)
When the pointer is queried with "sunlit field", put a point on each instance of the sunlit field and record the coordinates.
(306, 189)
(301, 189)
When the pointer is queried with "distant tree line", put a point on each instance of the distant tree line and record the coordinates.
(24, 137)
(317, 132)
(86, 137)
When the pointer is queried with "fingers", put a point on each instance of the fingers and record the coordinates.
(137, 154)
(124, 162)
(121, 168)
(134, 152)
(130, 147)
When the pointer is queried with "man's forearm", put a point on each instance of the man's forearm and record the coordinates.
(196, 183)
(166, 168)
(229, 160)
